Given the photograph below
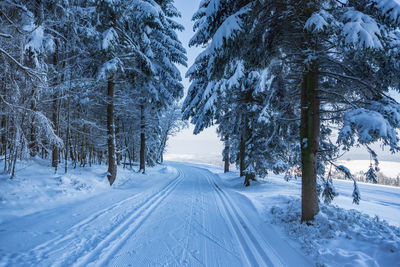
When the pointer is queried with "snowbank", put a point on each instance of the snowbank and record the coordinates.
(340, 237)
(343, 234)
(36, 187)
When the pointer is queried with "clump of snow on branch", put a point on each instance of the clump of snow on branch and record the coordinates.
(109, 38)
(47, 127)
(361, 30)
(389, 9)
(229, 28)
(369, 126)
(316, 23)
(109, 68)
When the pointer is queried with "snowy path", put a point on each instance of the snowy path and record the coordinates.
(191, 219)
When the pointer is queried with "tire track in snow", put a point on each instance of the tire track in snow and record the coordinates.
(113, 241)
(254, 249)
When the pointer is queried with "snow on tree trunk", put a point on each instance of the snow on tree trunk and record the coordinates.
(33, 144)
(309, 140)
(226, 155)
(142, 140)
(112, 167)
(242, 156)
(54, 152)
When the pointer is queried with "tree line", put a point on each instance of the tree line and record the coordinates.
(292, 85)
(89, 81)
(380, 178)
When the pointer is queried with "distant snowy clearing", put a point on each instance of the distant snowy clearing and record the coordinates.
(389, 168)
(182, 214)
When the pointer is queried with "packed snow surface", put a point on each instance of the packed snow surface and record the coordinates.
(183, 214)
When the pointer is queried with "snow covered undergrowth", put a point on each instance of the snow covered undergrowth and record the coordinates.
(35, 186)
(340, 235)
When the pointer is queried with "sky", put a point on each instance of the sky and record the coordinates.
(206, 147)
(186, 146)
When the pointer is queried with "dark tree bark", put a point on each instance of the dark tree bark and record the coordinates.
(226, 155)
(54, 152)
(33, 144)
(67, 143)
(242, 155)
(163, 145)
(4, 126)
(142, 165)
(3, 121)
(309, 140)
(118, 148)
(112, 166)
(5, 147)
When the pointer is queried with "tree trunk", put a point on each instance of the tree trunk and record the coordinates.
(242, 155)
(309, 140)
(5, 150)
(54, 152)
(5, 144)
(243, 165)
(90, 156)
(142, 165)
(226, 155)
(3, 123)
(130, 158)
(162, 149)
(33, 144)
(112, 167)
(75, 154)
(118, 148)
(67, 137)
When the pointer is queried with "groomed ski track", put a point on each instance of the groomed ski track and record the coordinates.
(193, 219)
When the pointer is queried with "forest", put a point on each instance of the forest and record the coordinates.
(89, 82)
(91, 91)
(97, 82)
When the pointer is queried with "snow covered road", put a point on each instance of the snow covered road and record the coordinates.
(190, 219)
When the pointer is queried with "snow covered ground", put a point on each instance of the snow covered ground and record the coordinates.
(182, 214)
(344, 234)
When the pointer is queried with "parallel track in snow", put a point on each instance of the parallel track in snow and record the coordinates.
(203, 223)
(254, 249)
(109, 246)
(67, 241)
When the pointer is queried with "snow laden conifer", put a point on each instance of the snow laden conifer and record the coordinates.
(76, 76)
(143, 46)
(27, 48)
(336, 62)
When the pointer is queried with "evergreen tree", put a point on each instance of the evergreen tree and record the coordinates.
(76, 74)
(329, 63)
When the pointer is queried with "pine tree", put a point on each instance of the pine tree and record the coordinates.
(330, 63)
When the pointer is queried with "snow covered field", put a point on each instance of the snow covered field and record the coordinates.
(182, 214)
(344, 234)
(388, 168)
